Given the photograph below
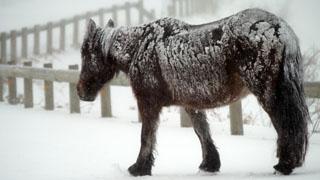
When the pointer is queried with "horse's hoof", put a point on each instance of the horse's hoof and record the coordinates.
(283, 169)
(209, 166)
(138, 170)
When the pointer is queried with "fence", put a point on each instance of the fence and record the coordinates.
(8, 41)
(61, 25)
(184, 8)
(49, 76)
(177, 8)
(312, 90)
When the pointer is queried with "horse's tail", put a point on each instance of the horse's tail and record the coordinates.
(291, 112)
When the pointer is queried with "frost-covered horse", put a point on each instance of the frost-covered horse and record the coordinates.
(170, 62)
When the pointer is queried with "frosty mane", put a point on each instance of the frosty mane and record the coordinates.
(108, 36)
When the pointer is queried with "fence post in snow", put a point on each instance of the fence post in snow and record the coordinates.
(28, 90)
(62, 39)
(36, 40)
(48, 91)
(3, 44)
(174, 8)
(236, 123)
(101, 17)
(12, 87)
(115, 14)
(76, 31)
(185, 120)
(74, 99)
(181, 13)
(49, 38)
(105, 101)
(127, 9)
(24, 43)
(140, 9)
(88, 17)
(13, 60)
(153, 14)
(13, 46)
(187, 7)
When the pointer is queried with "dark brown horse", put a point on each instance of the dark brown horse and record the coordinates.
(170, 62)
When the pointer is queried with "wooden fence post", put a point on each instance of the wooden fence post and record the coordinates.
(115, 14)
(174, 8)
(140, 9)
(194, 6)
(36, 40)
(76, 31)
(185, 120)
(12, 87)
(187, 6)
(28, 89)
(105, 101)
(88, 17)
(49, 38)
(101, 17)
(236, 123)
(13, 60)
(48, 91)
(24, 43)
(13, 46)
(153, 14)
(3, 40)
(74, 99)
(181, 8)
(127, 9)
(62, 42)
(3, 59)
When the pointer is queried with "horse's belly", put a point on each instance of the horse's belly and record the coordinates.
(206, 95)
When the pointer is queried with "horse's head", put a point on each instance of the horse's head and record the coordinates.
(98, 66)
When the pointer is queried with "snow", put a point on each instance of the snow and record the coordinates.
(38, 144)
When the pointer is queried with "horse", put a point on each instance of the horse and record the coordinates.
(170, 62)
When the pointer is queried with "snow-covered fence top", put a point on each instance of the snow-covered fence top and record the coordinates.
(71, 76)
(49, 75)
(10, 40)
(187, 8)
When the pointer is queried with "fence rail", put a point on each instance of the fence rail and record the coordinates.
(48, 29)
(185, 8)
(180, 8)
(71, 76)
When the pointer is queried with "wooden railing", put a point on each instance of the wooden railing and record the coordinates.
(187, 8)
(9, 54)
(34, 32)
(49, 76)
(71, 76)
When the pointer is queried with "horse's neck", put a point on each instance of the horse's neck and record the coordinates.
(125, 45)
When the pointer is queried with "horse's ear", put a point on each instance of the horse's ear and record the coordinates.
(110, 23)
(91, 27)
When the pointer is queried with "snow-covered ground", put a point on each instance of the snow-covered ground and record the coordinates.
(38, 145)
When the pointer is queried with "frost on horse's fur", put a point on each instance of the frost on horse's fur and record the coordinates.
(170, 62)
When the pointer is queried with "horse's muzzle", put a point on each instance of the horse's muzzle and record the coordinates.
(82, 95)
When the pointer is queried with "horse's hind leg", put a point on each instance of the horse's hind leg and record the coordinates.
(289, 114)
(282, 97)
(210, 155)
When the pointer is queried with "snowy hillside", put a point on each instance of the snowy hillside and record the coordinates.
(37, 145)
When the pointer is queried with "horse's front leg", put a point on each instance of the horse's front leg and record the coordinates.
(150, 117)
(211, 159)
